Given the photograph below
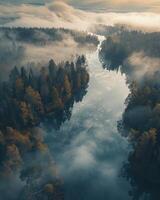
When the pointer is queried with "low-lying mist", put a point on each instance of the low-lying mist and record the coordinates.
(141, 66)
(28, 47)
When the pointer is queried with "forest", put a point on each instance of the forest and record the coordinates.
(43, 36)
(122, 43)
(136, 54)
(79, 100)
(27, 99)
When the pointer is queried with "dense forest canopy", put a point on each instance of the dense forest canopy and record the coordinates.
(122, 43)
(42, 36)
(137, 55)
(27, 99)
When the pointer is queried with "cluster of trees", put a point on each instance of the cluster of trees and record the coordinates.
(141, 118)
(27, 99)
(83, 38)
(141, 124)
(26, 154)
(120, 45)
(15, 145)
(42, 36)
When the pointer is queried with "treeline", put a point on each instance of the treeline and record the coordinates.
(141, 124)
(141, 118)
(28, 97)
(43, 36)
(25, 155)
(119, 46)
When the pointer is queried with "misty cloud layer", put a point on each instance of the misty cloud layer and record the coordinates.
(14, 52)
(69, 14)
(139, 67)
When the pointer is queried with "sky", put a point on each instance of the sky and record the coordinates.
(80, 14)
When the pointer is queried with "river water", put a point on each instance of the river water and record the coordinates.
(88, 149)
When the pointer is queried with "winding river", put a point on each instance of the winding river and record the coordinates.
(88, 149)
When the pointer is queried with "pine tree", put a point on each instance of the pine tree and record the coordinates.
(67, 88)
(26, 114)
(14, 74)
(52, 71)
(33, 97)
(19, 88)
(56, 101)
